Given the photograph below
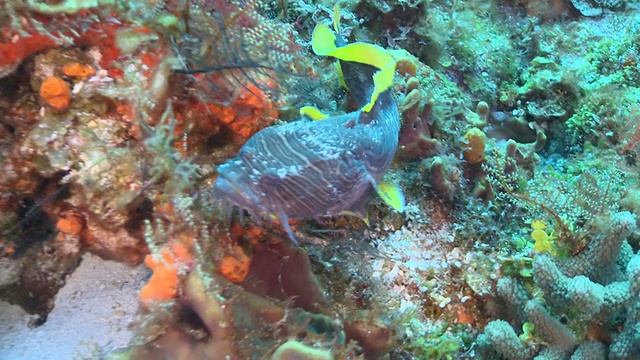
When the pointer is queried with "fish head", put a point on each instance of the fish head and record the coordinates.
(233, 186)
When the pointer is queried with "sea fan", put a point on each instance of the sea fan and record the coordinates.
(230, 45)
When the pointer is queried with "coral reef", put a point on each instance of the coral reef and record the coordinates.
(518, 158)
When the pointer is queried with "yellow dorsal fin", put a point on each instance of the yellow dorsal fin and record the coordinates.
(392, 195)
(323, 43)
(336, 19)
(313, 113)
(323, 40)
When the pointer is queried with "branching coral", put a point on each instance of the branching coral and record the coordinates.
(506, 341)
(627, 343)
(583, 288)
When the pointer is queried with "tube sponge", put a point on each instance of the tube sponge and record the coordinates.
(599, 260)
(506, 342)
(590, 350)
(627, 344)
(550, 329)
(566, 292)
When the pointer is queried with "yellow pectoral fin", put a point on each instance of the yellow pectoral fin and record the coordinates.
(392, 195)
(312, 113)
(341, 76)
(351, 213)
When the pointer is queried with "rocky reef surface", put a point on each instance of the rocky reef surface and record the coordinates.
(518, 159)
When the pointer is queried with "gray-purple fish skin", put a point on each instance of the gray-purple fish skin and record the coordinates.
(311, 169)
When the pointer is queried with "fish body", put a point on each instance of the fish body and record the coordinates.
(312, 169)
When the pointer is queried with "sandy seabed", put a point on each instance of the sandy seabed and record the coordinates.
(92, 312)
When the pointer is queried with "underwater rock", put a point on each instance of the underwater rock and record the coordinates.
(293, 350)
(284, 272)
(550, 95)
(114, 243)
(32, 279)
(377, 340)
(587, 8)
(595, 8)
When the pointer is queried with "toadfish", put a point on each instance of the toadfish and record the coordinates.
(325, 166)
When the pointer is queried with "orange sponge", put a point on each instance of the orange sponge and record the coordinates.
(78, 70)
(70, 223)
(163, 285)
(235, 267)
(475, 141)
(55, 92)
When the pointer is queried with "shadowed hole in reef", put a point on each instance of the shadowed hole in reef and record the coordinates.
(139, 211)
(10, 85)
(195, 323)
(34, 224)
(218, 141)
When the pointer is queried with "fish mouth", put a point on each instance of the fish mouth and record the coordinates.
(233, 189)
